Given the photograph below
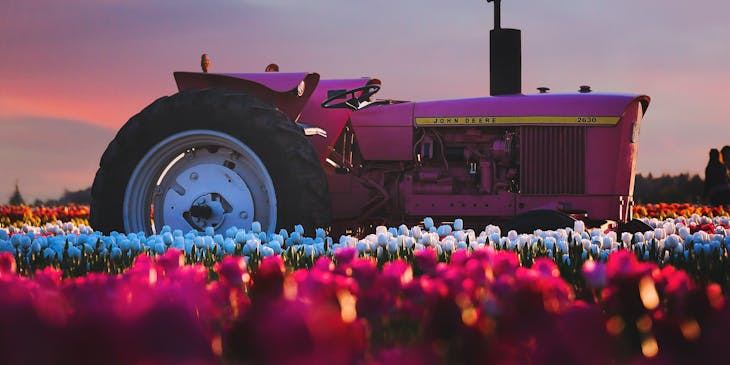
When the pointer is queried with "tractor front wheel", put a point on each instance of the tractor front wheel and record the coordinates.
(209, 158)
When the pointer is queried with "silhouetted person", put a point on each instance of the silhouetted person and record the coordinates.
(717, 183)
(204, 62)
(272, 67)
(725, 154)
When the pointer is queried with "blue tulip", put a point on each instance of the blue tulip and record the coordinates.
(74, 252)
(428, 223)
(444, 230)
(49, 253)
(167, 238)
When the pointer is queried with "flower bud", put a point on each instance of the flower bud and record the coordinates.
(606, 243)
(250, 247)
(562, 246)
(48, 253)
(428, 223)
(7, 264)
(444, 230)
(392, 246)
(363, 246)
(266, 251)
(416, 232)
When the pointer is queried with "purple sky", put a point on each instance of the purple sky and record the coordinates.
(76, 70)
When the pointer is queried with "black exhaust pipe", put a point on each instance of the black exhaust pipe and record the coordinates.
(505, 57)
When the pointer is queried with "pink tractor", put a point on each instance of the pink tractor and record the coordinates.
(284, 149)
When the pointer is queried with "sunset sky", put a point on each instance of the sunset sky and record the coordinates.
(74, 71)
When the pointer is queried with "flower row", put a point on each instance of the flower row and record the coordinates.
(482, 307)
(17, 215)
(696, 244)
(675, 210)
(11, 215)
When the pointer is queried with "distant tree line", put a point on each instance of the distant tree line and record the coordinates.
(681, 188)
(80, 197)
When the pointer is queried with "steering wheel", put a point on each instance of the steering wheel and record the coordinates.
(353, 102)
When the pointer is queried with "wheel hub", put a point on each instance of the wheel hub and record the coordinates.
(207, 211)
(205, 195)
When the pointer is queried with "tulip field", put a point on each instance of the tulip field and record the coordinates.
(428, 294)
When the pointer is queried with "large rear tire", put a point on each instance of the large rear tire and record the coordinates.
(209, 158)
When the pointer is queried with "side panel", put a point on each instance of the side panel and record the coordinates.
(611, 155)
(385, 133)
(608, 169)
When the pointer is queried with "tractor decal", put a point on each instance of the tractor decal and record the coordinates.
(516, 120)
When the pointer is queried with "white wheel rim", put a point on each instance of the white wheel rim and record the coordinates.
(198, 179)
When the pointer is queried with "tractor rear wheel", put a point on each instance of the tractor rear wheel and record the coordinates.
(209, 158)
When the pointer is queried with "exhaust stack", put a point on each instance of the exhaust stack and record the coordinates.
(505, 57)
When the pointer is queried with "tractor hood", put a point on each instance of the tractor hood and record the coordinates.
(544, 109)
(287, 91)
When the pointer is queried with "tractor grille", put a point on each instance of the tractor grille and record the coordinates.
(552, 160)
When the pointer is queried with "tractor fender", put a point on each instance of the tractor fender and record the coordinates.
(289, 92)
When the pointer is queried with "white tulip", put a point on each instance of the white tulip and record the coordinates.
(392, 246)
(363, 247)
(586, 244)
(579, 227)
(383, 239)
(460, 235)
(266, 251)
(562, 246)
(416, 232)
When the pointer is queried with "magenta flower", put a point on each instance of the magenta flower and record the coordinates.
(268, 281)
(595, 274)
(232, 271)
(504, 263)
(171, 261)
(7, 264)
(623, 264)
(365, 271)
(426, 260)
(546, 267)
(345, 255)
(49, 277)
